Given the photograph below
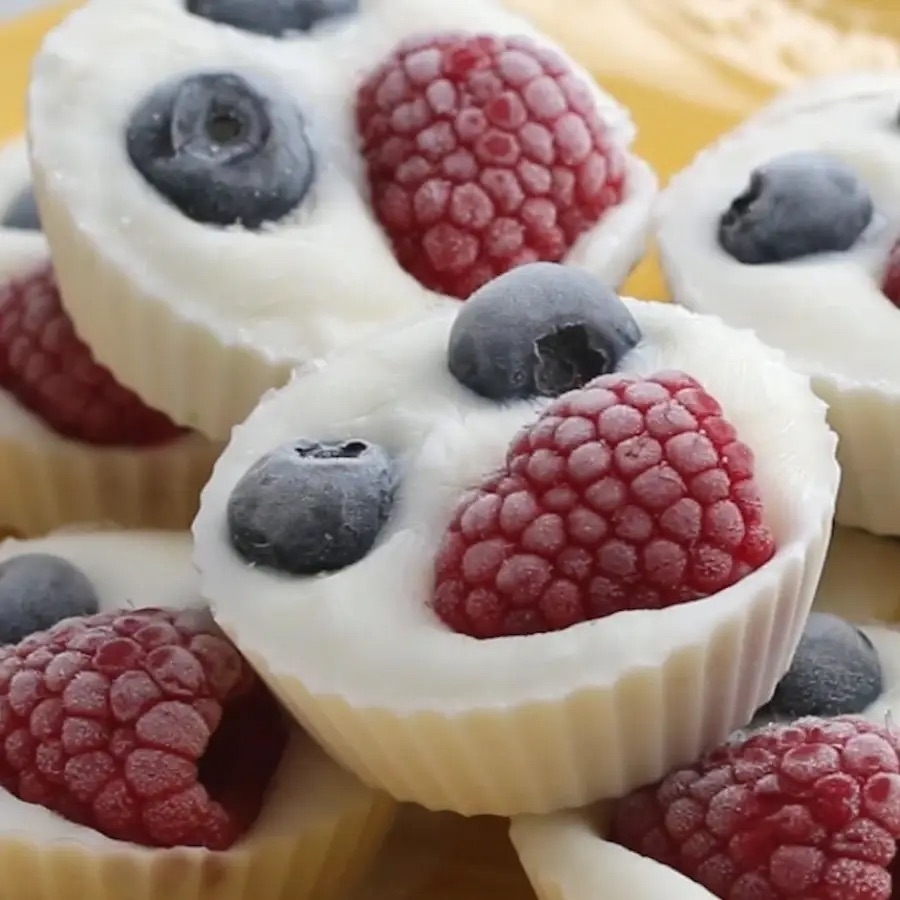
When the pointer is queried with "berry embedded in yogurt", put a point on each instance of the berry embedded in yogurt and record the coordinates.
(630, 493)
(835, 671)
(223, 149)
(145, 725)
(279, 19)
(624, 492)
(22, 212)
(485, 532)
(539, 331)
(312, 506)
(38, 590)
(483, 153)
(793, 215)
(51, 371)
(796, 205)
(805, 809)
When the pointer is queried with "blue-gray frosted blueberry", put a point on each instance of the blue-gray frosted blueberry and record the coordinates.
(796, 205)
(539, 330)
(37, 590)
(222, 149)
(310, 507)
(273, 18)
(835, 671)
(22, 213)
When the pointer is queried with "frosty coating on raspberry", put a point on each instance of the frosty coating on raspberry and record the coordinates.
(128, 723)
(633, 493)
(483, 153)
(51, 371)
(806, 809)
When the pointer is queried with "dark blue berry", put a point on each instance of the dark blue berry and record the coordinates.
(22, 213)
(795, 206)
(835, 671)
(273, 18)
(37, 590)
(223, 150)
(539, 330)
(311, 507)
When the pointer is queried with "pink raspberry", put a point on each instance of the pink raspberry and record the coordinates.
(891, 283)
(52, 372)
(631, 493)
(483, 153)
(147, 726)
(801, 811)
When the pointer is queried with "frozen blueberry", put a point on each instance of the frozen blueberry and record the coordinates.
(22, 213)
(311, 507)
(539, 330)
(37, 590)
(223, 150)
(835, 671)
(794, 206)
(273, 18)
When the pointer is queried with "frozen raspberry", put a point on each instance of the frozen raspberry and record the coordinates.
(632, 493)
(483, 153)
(891, 284)
(52, 372)
(146, 725)
(801, 811)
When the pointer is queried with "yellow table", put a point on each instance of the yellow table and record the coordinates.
(688, 69)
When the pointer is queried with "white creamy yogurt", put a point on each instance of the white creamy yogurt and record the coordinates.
(398, 659)
(827, 312)
(317, 279)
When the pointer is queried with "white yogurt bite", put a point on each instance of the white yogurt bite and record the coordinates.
(789, 226)
(316, 829)
(381, 162)
(74, 445)
(500, 613)
(847, 663)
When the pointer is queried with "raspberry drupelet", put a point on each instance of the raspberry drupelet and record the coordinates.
(483, 153)
(803, 811)
(147, 726)
(52, 372)
(631, 493)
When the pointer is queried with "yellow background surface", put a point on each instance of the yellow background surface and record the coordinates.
(688, 69)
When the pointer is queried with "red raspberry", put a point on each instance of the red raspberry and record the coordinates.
(52, 372)
(801, 811)
(631, 493)
(891, 284)
(147, 726)
(483, 153)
